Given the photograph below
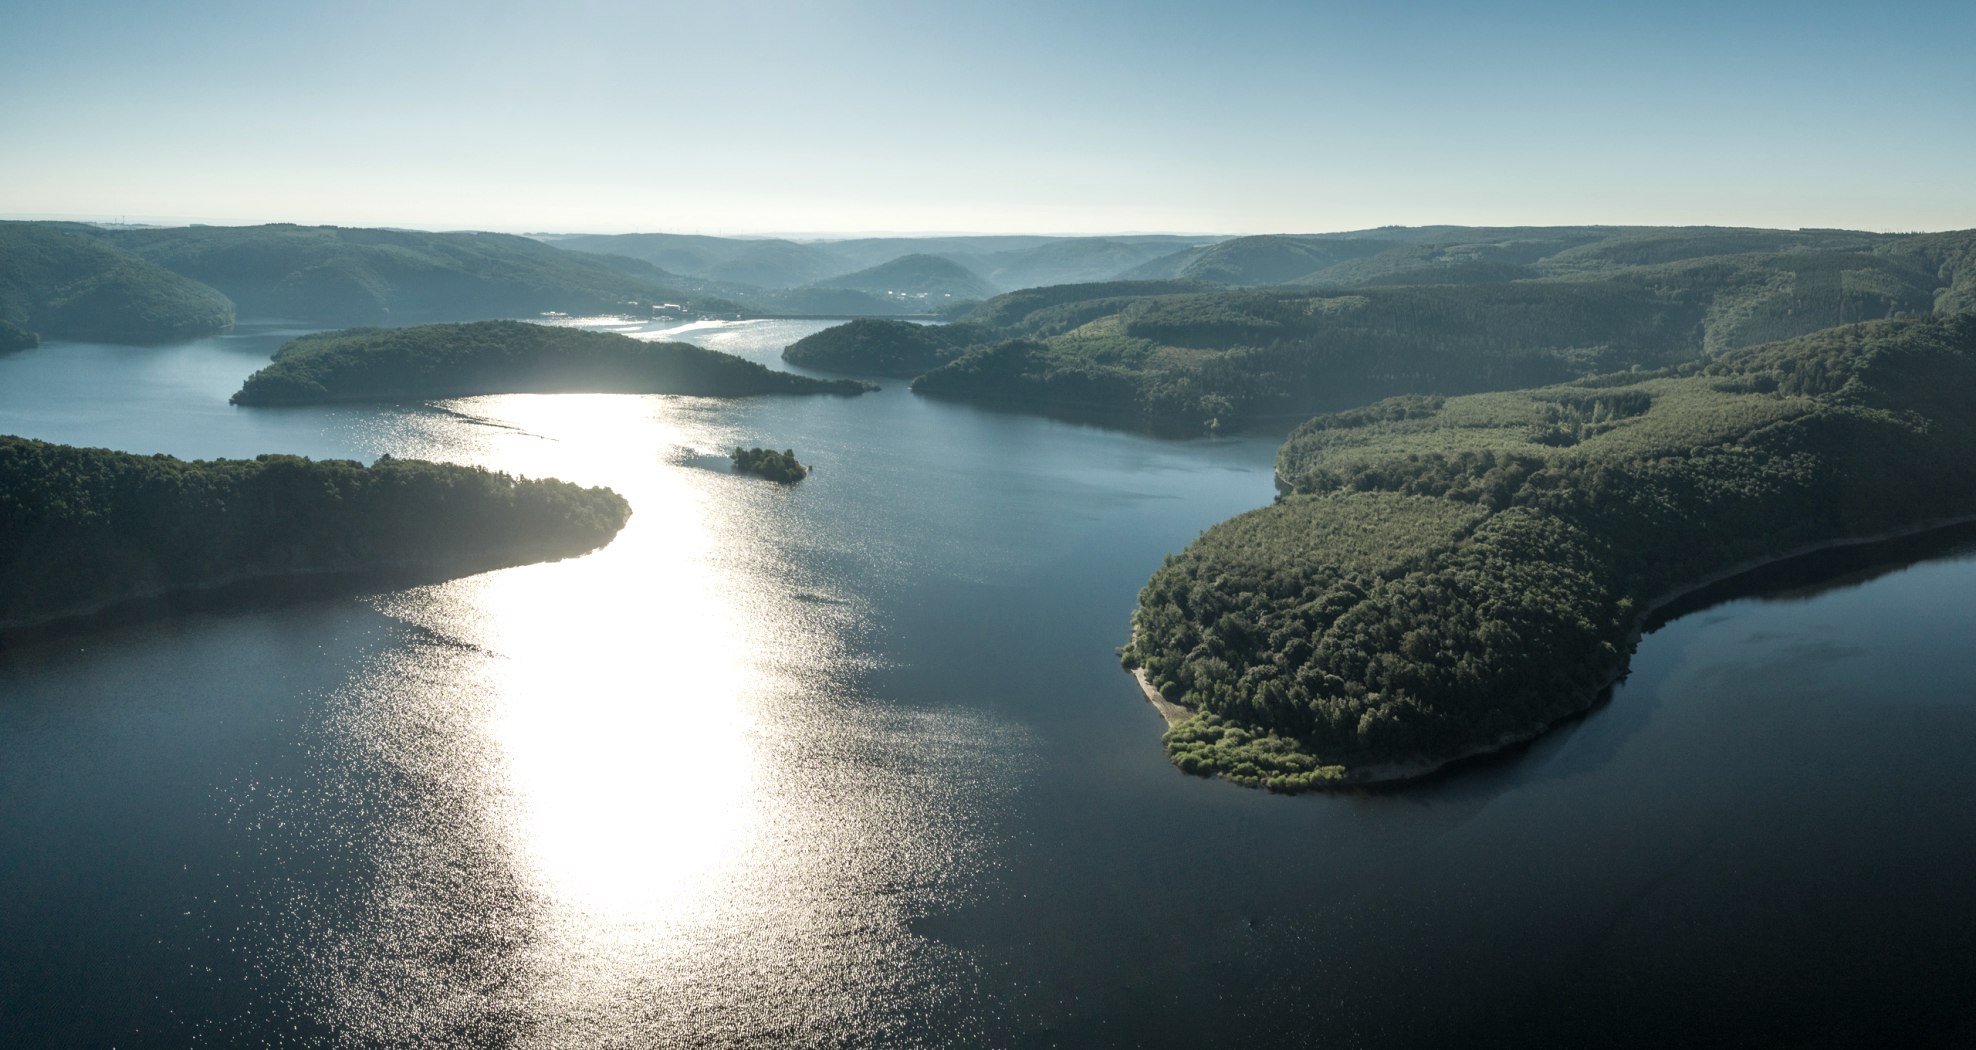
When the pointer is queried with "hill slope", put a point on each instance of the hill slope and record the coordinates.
(766, 263)
(337, 275)
(61, 280)
(1471, 310)
(928, 279)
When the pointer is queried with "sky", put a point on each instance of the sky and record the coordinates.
(864, 116)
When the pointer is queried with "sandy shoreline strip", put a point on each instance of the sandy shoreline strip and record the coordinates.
(1172, 712)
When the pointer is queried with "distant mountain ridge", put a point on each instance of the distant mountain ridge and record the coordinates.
(747, 268)
(342, 275)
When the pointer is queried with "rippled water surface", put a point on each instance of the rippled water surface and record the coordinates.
(852, 762)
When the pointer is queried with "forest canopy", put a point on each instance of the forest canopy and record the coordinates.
(1448, 574)
(1235, 334)
(61, 281)
(83, 529)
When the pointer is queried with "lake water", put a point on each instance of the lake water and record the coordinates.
(852, 763)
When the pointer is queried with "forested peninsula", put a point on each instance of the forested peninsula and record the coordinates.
(1449, 575)
(883, 347)
(85, 530)
(500, 357)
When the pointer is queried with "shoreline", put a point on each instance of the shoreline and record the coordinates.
(252, 585)
(1402, 772)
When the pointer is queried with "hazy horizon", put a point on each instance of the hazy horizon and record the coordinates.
(821, 236)
(844, 118)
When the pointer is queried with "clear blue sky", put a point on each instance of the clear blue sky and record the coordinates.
(871, 115)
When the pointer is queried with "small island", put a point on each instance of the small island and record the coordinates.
(1449, 576)
(86, 530)
(506, 357)
(768, 463)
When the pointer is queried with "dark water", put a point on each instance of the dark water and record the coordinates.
(852, 763)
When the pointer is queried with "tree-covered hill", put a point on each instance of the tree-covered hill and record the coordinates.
(86, 529)
(61, 281)
(757, 263)
(925, 279)
(1182, 362)
(1449, 574)
(1072, 260)
(339, 275)
(498, 357)
(1274, 259)
(1490, 314)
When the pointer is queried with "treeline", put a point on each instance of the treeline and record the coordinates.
(84, 529)
(1449, 574)
(494, 357)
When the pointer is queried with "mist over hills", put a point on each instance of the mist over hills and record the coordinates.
(76, 280)
(339, 275)
(748, 267)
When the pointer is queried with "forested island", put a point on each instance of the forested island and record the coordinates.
(1449, 575)
(84, 530)
(1262, 329)
(500, 357)
(768, 463)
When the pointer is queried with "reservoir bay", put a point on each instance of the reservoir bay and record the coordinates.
(853, 763)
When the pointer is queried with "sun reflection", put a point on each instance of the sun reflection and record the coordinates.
(626, 677)
(671, 808)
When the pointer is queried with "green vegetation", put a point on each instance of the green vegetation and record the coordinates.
(336, 275)
(871, 346)
(1450, 574)
(754, 262)
(13, 337)
(1207, 360)
(61, 280)
(496, 357)
(753, 268)
(918, 278)
(834, 302)
(85, 529)
(1439, 310)
(768, 463)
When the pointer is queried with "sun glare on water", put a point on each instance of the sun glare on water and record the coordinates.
(641, 784)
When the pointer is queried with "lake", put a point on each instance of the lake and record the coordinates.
(852, 762)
